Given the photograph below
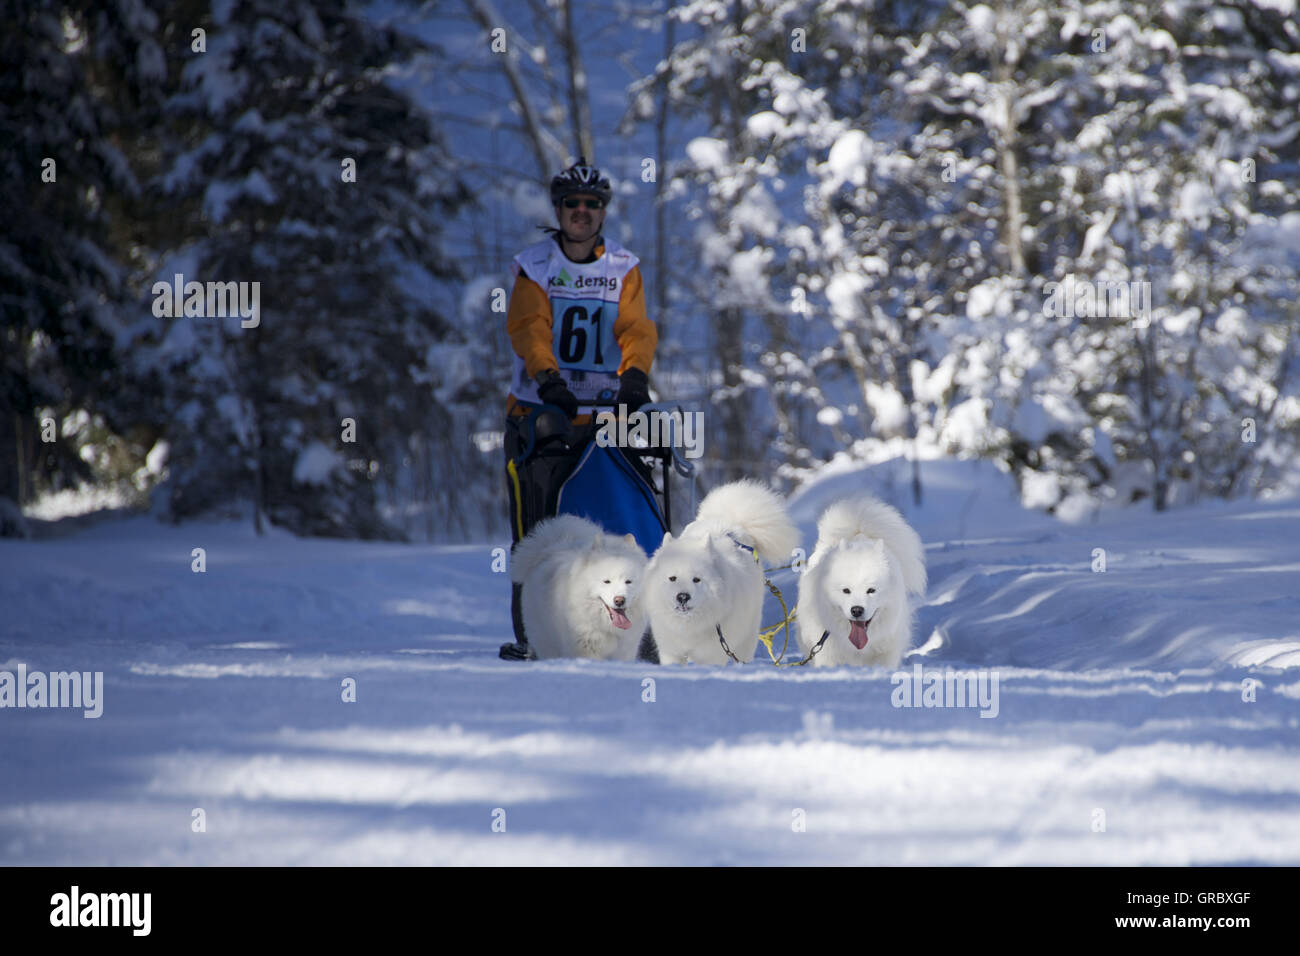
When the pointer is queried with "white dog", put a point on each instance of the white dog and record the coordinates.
(579, 595)
(709, 579)
(856, 586)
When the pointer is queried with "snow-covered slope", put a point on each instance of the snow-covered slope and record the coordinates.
(1120, 704)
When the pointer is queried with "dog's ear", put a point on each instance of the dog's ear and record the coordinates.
(668, 536)
(630, 538)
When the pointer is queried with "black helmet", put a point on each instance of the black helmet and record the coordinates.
(580, 178)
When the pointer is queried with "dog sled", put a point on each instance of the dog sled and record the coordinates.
(554, 467)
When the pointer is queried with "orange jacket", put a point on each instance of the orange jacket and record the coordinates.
(529, 325)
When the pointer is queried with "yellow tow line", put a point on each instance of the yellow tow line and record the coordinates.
(768, 634)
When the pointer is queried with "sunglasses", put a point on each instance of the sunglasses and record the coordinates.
(586, 203)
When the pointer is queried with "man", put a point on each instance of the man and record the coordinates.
(578, 326)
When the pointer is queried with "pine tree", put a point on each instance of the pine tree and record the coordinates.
(62, 284)
(289, 159)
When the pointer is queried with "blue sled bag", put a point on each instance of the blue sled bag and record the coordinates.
(605, 488)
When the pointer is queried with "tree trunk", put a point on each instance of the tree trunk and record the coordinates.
(730, 351)
(661, 212)
(11, 479)
(579, 107)
(1006, 142)
(534, 128)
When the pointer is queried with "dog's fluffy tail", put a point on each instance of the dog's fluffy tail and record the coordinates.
(867, 515)
(549, 537)
(755, 514)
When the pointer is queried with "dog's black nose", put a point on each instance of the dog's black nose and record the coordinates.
(682, 597)
(619, 601)
(856, 610)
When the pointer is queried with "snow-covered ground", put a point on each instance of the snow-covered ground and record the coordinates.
(1120, 704)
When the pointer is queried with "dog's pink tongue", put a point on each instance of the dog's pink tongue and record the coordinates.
(858, 634)
(619, 618)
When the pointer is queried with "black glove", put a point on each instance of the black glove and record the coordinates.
(553, 391)
(633, 389)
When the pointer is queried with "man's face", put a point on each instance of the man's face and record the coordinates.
(581, 222)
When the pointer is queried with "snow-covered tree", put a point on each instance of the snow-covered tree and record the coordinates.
(287, 158)
(74, 75)
(1166, 169)
(954, 161)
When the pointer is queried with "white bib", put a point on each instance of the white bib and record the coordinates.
(584, 300)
